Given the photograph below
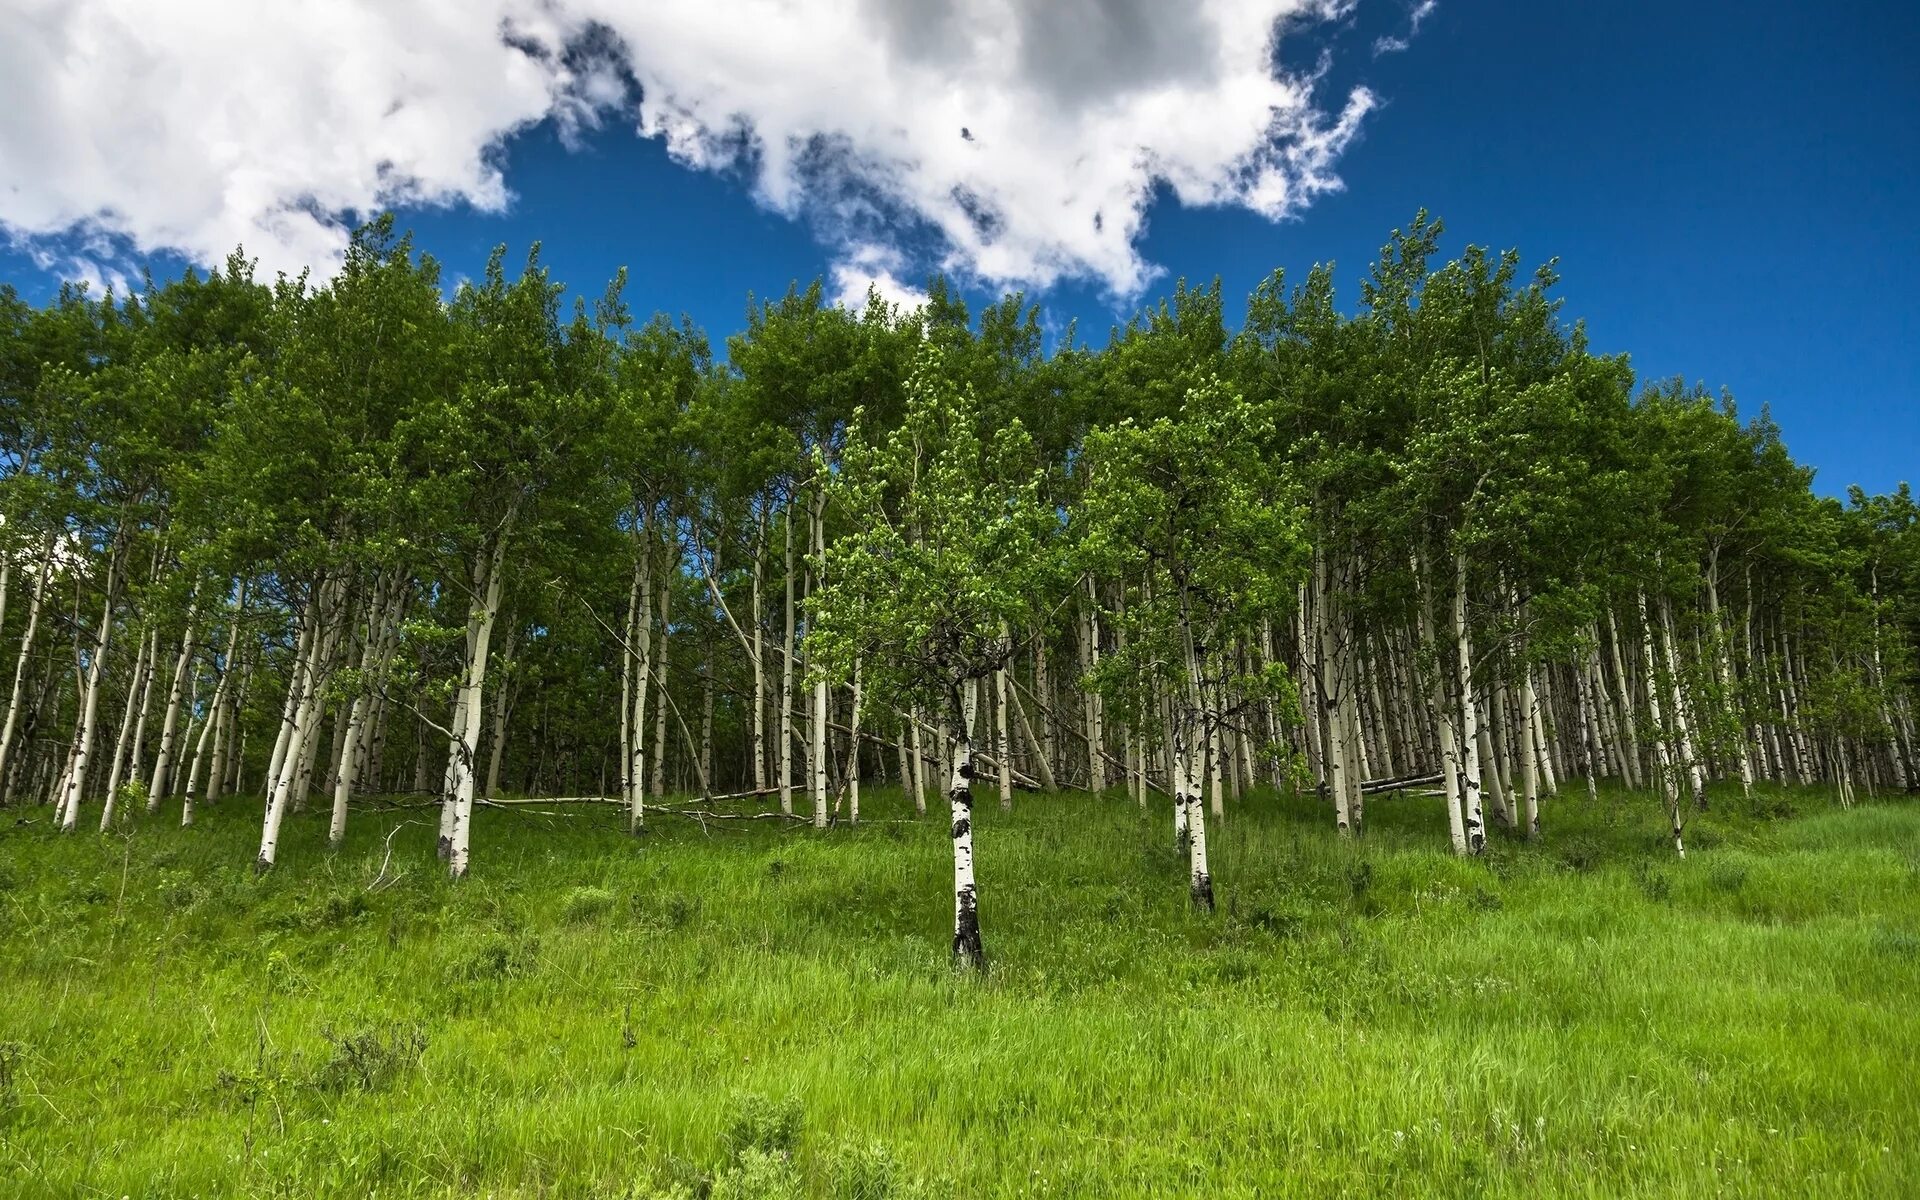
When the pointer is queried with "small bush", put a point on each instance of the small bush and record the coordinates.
(586, 905)
(370, 1059)
(494, 956)
(768, 1126)
(757, 1175)
(336, 909)
(283, 977)
(867, 1171)
(132, 797)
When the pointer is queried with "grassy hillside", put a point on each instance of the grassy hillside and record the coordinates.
(752, 1011)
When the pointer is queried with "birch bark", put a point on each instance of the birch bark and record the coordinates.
(967, 946)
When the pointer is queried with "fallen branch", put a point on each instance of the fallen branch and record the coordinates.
(380, 880)
(1371, 787)
(701, 814)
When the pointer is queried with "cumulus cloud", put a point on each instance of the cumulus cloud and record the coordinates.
(1013, 142)
(869, 267)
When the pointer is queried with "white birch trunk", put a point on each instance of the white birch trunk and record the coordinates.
(347, 766)
(83, 740)
(967, 946)
(663, 661)
(1669, 780)
(641, 647)
(306, 711)
(786, 682)
(1623, 696)
(1000, 746)
(16, 696)
(459, 857)
(1452, 771)
(109, 803)
(1470, 735)
(919, 767)
(1199, 875)
(1696, 775)
(853, 752)
(760, 658)
(163, 761)
(200, 745)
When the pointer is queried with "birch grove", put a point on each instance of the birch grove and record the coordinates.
(378, 538)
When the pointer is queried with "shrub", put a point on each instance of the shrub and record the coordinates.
(867, 1171)
(769, 1126)
(586, 905)
(757, 1175)
(494, 956)
(369, 1059)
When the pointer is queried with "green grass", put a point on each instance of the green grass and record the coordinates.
(762, 1012)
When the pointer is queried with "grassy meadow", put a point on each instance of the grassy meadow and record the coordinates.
(755, 1011)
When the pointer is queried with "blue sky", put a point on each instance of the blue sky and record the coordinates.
(1731, 190)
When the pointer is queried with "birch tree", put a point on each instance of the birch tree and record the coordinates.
(949, 546)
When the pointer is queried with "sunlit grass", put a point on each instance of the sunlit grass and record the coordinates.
(591, 1016)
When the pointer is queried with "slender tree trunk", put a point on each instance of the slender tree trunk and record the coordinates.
(163, 763)
(1470, 734)
(786, 679)
(1216, 766)
(1669, 780)
(1689, 758)
(919, 768)
(640, 645)
(904, 752)
(372, 654)
(1037, 751)
(460, 854)
(1199, 874)
(1095, 710)
(110, 801)
(1000, 743)
(1623, 694)
(760, 656)
(706, 717)
(501, 707)
(83, 738)
(305, 713)
(967, 946)
(199, 759)
(663, 663)
(817, 756)
(1589, 735)
(853, 753)
(25, 656)
(1043, 692)
(1452, 771)
(1723, 670)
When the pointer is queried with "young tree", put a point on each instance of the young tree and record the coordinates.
(949, 546)
(1191, 505)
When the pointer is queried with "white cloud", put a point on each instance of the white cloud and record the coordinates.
(870, 267)
(1391, 44)
(1020, 139)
